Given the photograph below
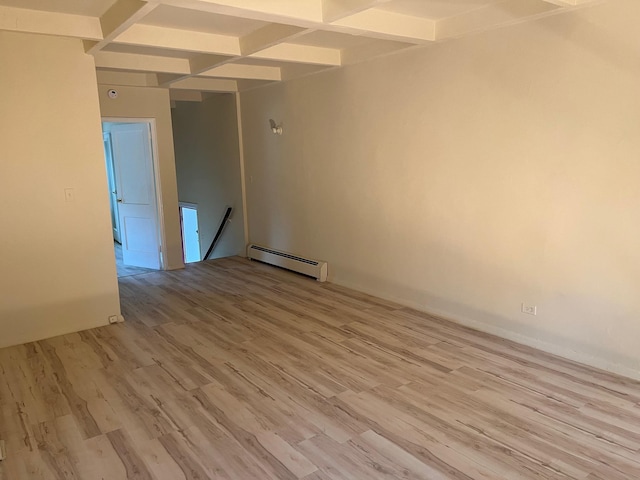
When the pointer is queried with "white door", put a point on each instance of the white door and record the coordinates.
(135, 184)
(190, 235)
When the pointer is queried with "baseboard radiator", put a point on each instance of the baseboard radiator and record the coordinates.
(307, 266)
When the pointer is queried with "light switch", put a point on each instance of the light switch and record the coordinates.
(69, 195)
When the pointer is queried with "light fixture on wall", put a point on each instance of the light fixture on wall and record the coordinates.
(275, 128)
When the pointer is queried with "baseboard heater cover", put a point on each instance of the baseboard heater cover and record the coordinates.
(307, 266)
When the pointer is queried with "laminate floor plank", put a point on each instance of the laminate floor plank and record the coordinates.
(235, 370)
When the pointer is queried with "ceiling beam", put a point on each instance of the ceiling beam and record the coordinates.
(141, 63)
(176, 39)
(280, 11)
(205, 62)
(245, 84)
(492, 16)
(569, 3)
(297, 70)
(268, 36)
(389, 26)
(333, 10)
(291, 52)
(166, 79)
(132, 79)
(206, 84)
(49, 23)
(185, 95)
(118, 18)
(367, 51)
(249, 72)
(197, 65)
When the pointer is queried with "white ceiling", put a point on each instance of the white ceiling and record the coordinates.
(435, 9)
(93, 8)
(339, 41)
(187, 19)
(233, 45)
(154, 51)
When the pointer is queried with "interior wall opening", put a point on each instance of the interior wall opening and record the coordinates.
(190, 232)
(133, 196)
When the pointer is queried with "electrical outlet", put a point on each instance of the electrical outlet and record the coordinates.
(529, 309)
(113, 319)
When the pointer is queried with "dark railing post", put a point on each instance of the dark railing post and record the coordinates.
(225, 219)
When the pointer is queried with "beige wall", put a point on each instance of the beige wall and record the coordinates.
(471, 176)
(139, 102)
(208, 168)
(57, 269)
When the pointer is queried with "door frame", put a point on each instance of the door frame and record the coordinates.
(192, 206)
(151, 122)
(111, 174)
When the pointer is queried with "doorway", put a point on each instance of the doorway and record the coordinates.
(190, 232)
(134, 196)
(108, 155)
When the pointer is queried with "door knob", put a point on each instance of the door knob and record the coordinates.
(119, 200)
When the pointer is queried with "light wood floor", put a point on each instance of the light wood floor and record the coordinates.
(126, 270)
(235, 370)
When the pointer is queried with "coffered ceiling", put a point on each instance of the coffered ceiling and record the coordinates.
(194, 46)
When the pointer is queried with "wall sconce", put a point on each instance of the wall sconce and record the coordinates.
(275, 128)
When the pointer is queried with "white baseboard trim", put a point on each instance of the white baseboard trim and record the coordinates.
(554, 349)
(547, 347)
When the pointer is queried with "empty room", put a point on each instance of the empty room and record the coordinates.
(320, 239)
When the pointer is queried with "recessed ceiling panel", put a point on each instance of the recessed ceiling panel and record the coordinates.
(158, 52)
(331, 40)
(186, 19)
(288, 69)
(434, 9)
(262, 62)
(91, 8)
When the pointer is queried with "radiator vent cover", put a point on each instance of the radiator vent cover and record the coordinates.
(307, 266)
